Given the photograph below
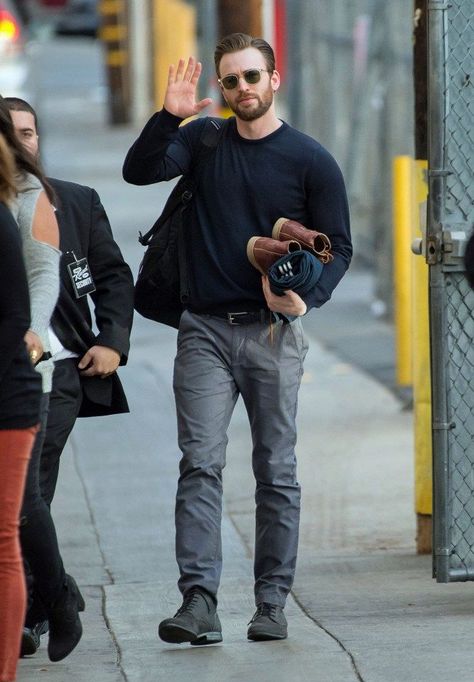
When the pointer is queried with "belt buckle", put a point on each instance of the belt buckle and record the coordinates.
(231, 318)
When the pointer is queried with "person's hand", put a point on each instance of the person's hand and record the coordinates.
(33, 346)
(99, 361)
(180, 96)
(289, 304)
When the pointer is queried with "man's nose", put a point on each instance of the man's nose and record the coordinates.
(242, 84)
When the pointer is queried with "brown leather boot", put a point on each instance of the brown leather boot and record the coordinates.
(317, 242)
(262, 252)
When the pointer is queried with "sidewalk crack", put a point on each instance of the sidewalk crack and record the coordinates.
(330, 634)
(107, 571)
(77, 468)
(301, 606)
(108, 624)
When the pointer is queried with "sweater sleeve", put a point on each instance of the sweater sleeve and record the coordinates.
(42, 263)
(161, 152)
(113, 297)
(328, 213)
(42, 267)
(14, 301)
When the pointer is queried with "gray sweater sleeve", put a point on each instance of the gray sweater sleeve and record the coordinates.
(42, 267)
(42, 270)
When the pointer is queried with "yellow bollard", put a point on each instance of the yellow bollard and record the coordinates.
(421, 369)
(412, 326)
(402, 267)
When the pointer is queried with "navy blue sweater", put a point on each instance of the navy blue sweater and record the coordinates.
(244, 187)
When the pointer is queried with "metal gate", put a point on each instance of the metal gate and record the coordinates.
(450, 221)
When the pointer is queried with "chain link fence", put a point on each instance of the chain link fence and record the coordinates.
(450, 221)
(350, 86)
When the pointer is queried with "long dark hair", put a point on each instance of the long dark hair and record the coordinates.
(24, 161)
(7, 172)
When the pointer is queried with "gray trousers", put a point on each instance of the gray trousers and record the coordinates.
(215, 363)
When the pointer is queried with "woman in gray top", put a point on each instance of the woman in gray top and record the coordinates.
(34, 213)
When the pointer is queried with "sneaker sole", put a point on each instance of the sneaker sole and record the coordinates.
(264, 636)
(173, 634)
(250, 254)
(207, 638)
(277, 227)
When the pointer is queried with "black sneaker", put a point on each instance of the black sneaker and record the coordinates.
(30, 639)
(268, 622)
(196, 621)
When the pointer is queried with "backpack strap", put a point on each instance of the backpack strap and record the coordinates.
(179, 195)
(212, 131)
(183, 191)
(209, 140)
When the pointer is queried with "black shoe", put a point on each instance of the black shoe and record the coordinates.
(268, 622)
(30, 639)
(65, 627)
(196, 621)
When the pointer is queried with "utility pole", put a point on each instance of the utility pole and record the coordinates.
(243, 16)
(141, 49)
(238, 16)
(114, 34)
(296, 102)
(420, 77)
(383, 257)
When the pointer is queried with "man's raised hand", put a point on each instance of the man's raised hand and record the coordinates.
(180, 97)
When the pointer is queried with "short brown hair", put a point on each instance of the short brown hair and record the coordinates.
(241, 41)
(17, 104)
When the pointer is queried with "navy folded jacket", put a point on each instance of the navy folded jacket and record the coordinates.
(298, 271)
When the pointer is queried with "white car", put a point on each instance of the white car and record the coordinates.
(14, 70)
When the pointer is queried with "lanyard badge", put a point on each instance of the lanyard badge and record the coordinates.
(81, 277)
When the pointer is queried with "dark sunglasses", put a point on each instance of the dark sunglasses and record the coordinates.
(231, 81)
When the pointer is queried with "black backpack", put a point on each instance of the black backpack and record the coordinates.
(161, 289)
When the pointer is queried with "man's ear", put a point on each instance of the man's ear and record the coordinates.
(275, 80)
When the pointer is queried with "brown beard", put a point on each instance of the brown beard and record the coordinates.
(264, 104)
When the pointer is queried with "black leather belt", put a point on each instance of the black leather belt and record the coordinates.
(240, 318)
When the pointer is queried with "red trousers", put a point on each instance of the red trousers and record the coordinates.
(15, 449)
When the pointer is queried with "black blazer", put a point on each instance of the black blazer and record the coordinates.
(85, 232)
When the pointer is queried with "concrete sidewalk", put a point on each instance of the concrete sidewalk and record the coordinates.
(363, 607)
